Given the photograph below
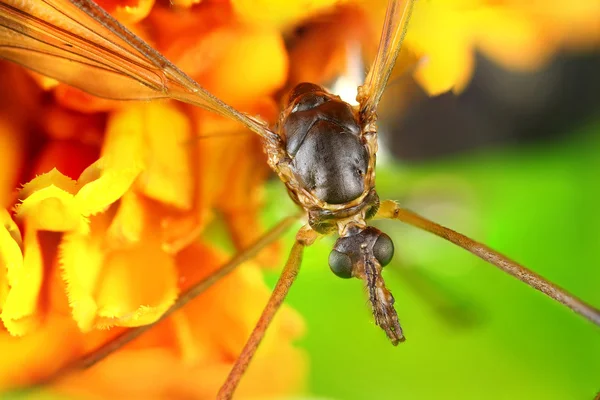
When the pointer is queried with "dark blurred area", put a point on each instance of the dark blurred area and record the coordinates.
(499, 107)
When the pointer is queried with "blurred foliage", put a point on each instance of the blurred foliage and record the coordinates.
(536, 204)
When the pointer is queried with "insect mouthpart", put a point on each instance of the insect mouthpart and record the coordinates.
(362, 254)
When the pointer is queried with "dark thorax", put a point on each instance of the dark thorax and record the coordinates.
(330, 162)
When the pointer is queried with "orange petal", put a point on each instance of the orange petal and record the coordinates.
(101, 186)
(129, 286)
(127, 11)
(167, 177)
(194, 39)
(69, 157)
(63, 124)
(220, 316)
(280, 13)
(447, 48)
(510, 38)
(220, 323)
(255, 64)
(11, 158)
(27, 359)
(20, 310)
(185, 3)
(138, 286)
(48, 204)
(127, 226)
(11, 256)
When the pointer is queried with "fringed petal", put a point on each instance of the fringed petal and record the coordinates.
(20, 310)
(128, 286)
(48, 204)
(103, 186)
(11, 255)
(138, 285)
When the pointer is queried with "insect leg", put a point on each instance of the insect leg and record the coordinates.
(391, 210)
(195, 290)
(304, 238)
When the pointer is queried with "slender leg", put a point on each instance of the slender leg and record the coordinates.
(391, 210)
(290, 271)
(110, 347)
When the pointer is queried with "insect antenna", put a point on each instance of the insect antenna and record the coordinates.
(305, 237)
(391, 210)
(191, 293)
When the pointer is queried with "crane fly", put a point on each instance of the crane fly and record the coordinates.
(322, 149)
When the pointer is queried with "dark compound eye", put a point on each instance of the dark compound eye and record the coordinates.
(383, 249)
(340, 264)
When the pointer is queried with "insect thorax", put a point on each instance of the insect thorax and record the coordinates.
(328, 157)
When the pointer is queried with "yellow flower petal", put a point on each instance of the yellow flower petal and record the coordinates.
(51, 178)
(167, 177)
(48, 204)
(96, 195)
(81, 260)
(128, 224)
(280, 13)
(11, 256)
(447, 48)
(510, 38)
(138, 285)
(20, 310)
(253, 45)
(128, 286)
(123, 147)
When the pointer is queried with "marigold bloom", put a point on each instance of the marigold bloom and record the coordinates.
(105, 231)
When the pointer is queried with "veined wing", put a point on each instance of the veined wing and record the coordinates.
(394, 30)
(78, 43)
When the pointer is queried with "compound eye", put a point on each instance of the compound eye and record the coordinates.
(340, 264)
(383, 249)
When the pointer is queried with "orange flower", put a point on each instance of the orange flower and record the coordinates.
(106, 232)
(517, 34)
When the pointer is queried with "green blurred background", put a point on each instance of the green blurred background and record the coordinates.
(513, 162)
(500, 339)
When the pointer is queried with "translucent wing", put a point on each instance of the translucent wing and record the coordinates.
(393, 33)
(78, 43)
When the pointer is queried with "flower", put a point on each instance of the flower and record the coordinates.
(105, 233)
(444, 35)
(518, 35)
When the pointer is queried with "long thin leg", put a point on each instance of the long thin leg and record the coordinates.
(391, 210)
(282, 287)
(190, 294)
